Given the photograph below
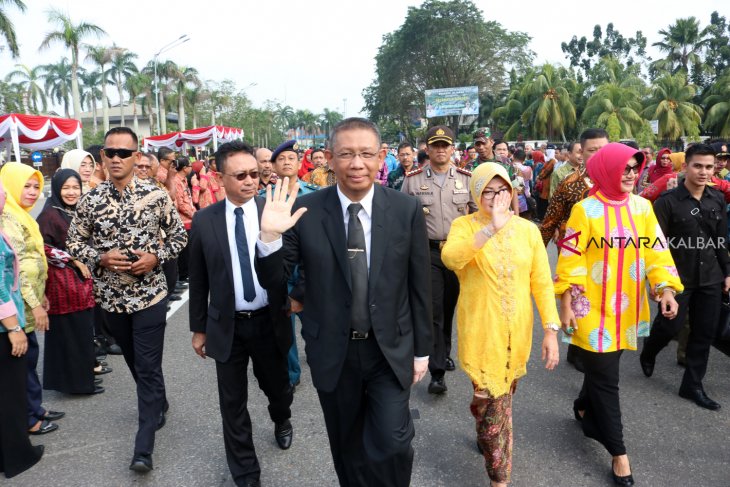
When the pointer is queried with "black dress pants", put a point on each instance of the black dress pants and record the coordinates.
(16, 452)
(599, 399)
(253, 338)
(368, 420)
(445, 289)
(170, 269)
(703, 306)
(183, 261)
(141, 337)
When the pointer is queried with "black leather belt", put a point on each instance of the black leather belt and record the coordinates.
(436, 244)
(359, 335)
(247, 315)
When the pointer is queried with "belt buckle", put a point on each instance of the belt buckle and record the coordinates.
(441, 244)
(245, 314)
(358, 335)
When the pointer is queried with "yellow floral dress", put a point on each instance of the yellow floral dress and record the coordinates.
(494, 311)
(610, 249)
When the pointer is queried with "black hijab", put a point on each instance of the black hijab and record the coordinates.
(55, 201)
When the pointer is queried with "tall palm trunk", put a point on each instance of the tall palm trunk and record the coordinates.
(163, 113)
(104, 102)
(75, 95)
(121, 99)
(134, 114)
(181, 110)
(93, 114)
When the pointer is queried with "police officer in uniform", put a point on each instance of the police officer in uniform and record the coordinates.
(443, 190)
(286, 163)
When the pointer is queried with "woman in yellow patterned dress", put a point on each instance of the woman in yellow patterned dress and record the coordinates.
(500, 262)
(613, 245)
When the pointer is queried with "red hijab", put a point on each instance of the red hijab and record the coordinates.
(538, 157)
(606, 168)
(656, 171)
(307, 165)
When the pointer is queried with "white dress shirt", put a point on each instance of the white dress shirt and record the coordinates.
(365, 216)
(251, 224)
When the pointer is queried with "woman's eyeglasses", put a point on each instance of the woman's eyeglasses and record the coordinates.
(630, 169)
(489, 194)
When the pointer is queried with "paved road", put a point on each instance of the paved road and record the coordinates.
(671, 442)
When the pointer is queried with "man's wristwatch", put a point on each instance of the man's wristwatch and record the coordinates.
(17, 328)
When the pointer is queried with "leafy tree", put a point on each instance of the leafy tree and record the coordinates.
(684, 43)
(57, 86)
(181, 78)
(11, 97)
(136, 84)
(71, 37)
(328, 119)
(671, 104)
(584, 54)
(101, 56)
(717, 55)
(30, 81)
(7, 29)
(441, 44)
(616, 108)
(717, 103)
(90, 94)
(121, 68)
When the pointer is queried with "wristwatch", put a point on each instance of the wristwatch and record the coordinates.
(17, 328)
(552, 326)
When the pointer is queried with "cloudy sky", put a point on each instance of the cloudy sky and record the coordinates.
(318, 53)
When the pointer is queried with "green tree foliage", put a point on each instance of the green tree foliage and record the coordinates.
(684, 42)
(671, 104)
(29, 79)
(717, 56)
(7, 29)
(441, 44)
(718, 106)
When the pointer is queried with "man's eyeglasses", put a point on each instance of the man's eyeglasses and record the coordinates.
(142, 167)
(122, 153)
(630, 169)
(348, 156)
(489, 194)
(241, 176)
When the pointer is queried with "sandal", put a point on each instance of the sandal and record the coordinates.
(45, 427)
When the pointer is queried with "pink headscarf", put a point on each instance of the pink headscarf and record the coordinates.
(606, 168)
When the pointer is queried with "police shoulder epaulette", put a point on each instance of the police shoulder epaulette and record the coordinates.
(311, 186)
(414, 172)
(463, 171)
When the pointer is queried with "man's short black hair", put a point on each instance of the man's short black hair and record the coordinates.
(314, 151)
(572, 145)
(699, 150)
(403, 145)
(631, 143)
(422, 157)
(225, 150)
(164, 152)
(182, 162)
(589, 134)
(122, 130)
(500, 141)
(95, 151)
(519, 155)
(353, 123)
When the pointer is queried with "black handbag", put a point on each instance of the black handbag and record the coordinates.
(723, 327)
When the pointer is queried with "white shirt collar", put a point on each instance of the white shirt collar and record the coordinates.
(366, 201)
(249, 207)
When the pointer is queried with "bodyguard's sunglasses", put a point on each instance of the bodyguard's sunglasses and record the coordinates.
(240, 176)
(122, 153)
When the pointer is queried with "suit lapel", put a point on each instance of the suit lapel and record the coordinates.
(220, 227)
(334, 228)
(379, 232)
(260, 202)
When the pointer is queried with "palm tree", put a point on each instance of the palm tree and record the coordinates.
(30, 80)
(615, 107)
(182, 78)
(193, 98)
(7, 29)
(329, 118)
(136, 85)
(70, 36)
(671, 104)
(717, 103)
(101, 56)
(121, 68)
(57, 84)
(164, 74)
(90, 93)
(549, 107)
(683, 42)
(284, 117)
(11, 97)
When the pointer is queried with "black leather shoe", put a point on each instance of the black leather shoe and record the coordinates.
(161, 421)
(251, 482)
(174, 297)
(283, 432)
(450, 365)
(700, 398)
(437, 386)
(114, 349)
(141, 463)
(45, 427)
(181, 285)
(97, 382)
(479, 447)
(54, 415)
(647, 364)
(626, 480)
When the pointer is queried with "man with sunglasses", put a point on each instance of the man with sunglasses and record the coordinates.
(116, 232)
(234, 318)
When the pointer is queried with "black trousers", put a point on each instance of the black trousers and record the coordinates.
(16, 452)
(445, 289)
(141, 336)
(703, 306)
(253, 338)
(542, 205)
(170, 269)
(599, 399)
(183, 261)
(368, 421)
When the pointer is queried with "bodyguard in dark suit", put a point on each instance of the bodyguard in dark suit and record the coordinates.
(367, 303)
(233, 316)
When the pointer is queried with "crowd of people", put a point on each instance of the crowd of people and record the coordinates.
(258, 237)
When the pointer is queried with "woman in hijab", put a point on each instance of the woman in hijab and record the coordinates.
(494, 311)
(69, 358)
(613, 245)
(662, 167)
(663, 183)
(83, 163)
(23, 186)
(16, 452)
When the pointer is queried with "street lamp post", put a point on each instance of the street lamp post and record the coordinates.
(180, 40)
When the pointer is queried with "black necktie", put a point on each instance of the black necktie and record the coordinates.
(356, 254)
(249, 290)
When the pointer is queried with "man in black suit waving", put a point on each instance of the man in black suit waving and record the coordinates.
(363, 251)
(244, 318)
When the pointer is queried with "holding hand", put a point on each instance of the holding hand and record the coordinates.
(277, 218)
(19, 342)
(567, 316)
(144, 264)
(550, 350)
(82, 267)
(41, 318)
(115, 261)
(668, 305)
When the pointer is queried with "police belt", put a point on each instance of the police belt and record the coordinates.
(247, 315)
(436, 244)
